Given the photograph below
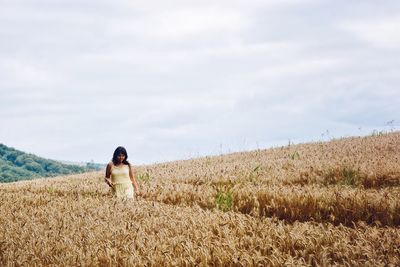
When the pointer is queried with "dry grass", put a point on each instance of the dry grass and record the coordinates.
(333, 203)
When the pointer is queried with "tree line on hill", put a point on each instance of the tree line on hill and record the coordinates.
(16, 165)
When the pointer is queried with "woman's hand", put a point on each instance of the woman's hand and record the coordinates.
(108, 181)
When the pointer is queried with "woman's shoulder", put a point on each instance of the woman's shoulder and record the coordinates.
(110, 164)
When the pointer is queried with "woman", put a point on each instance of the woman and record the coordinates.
(119, 175)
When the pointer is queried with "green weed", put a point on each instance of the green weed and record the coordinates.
(224, 200)
(343, 175)
(295, 155)
(143, 177)
(51, 190)
(349, 176)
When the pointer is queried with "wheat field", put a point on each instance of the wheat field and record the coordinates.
(330, 203)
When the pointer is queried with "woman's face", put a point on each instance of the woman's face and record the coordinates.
(120, 158)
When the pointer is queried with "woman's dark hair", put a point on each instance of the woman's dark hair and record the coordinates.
(120, 150)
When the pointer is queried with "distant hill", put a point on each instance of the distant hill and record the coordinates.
(16, 165)
(90, 165)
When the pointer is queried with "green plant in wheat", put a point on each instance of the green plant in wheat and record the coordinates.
(143, 177)
(51, 190)
(295, 156)
(342, 175)
(349, 176)
(224, 200)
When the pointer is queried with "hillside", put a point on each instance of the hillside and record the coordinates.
(16, 165)
(323, 203)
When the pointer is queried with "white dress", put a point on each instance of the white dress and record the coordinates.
(122, 184)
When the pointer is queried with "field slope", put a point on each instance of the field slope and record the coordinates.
(324, 203)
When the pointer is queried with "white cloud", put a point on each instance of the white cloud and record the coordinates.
(299, 68)
(180, 23)
(380, 32)
(20, 73)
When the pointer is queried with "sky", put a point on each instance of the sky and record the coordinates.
(176, 79)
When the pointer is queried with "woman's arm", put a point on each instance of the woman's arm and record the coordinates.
(133, 180)
(108, 175)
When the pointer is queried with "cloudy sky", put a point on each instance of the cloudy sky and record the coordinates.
(180, 79)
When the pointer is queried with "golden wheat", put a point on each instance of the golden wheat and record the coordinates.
(333, 203)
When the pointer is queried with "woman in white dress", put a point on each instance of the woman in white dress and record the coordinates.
(119, 175)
